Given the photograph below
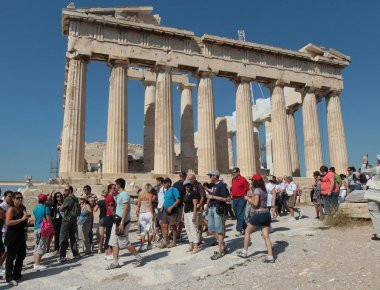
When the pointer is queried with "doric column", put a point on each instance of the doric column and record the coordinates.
(245, 143)
(268, 145)
(256, 142)
(337, 139)
(73, 133)
(187, 128)
(149, 121)
(222, 141)
(231, 164)
(206, 125)
(293, 145)
(164, 136)
(311, 133)
(280, 138)
(117, 130)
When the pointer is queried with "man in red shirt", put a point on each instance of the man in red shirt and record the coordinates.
(110, 206)
(239, 190)
(328, 185)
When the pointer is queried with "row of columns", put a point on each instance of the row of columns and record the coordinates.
(159, 135)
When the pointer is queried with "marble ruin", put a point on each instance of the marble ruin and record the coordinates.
(134, 45)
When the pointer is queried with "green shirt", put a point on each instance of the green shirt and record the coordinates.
(68, 210)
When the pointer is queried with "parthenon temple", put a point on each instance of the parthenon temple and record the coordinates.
(135, 46)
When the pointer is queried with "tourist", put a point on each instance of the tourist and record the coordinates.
(216, 203)
(120, 230)
(71, 211)
(92, 200)
(40, 212)
(101, 206)
(108, 219)
(239, 190)
(144, 212)
(56, 216)
(159, 187)
(4, 206)
(280, 194)
(291, 192)
(343, 189)
(270, 187)
(327, 188)
(353, 181)
(190, 206)
(169, 213)
(335, 194)
(199, 189)
(84, 224)
(260, 219)
(316, 197)
(16, 220)
(179, 185)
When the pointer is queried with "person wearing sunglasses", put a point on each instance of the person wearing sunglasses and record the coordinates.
(16, 220)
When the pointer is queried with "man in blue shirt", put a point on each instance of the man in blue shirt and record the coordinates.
(119, 233)
(170, 213)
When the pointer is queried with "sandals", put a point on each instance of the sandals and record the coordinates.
(216, 256)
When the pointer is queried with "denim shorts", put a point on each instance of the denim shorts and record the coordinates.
(260, 219)
(215, 221)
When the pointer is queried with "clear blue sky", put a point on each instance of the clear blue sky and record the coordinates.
(32, 64)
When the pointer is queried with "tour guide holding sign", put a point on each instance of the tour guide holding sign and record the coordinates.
(169, 213)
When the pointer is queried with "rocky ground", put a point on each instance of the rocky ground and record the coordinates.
(308, 255)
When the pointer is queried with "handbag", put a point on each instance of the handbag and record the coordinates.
(46, 226)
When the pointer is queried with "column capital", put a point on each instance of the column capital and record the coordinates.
(189, 86)
(148, 82)
(117, 62)
(292, 109)
(162, 68)
(333, 93)
(204, 74)
(82, 57)
(276, 83)
(241, 79)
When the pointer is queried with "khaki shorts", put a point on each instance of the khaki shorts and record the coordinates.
(40, 243)
(170, 219)
(292, 201)
(119, 241)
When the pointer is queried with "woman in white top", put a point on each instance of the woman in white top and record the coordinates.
(145, 214)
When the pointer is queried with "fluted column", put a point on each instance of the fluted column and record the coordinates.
(231, 164)
(311, 134)
(164, 136)
(222, 141)
(256, 141)
(337, 139)
(268, 145)
(187, 129)
(280, 138)
(149, 124)
(73, 133)
(293, 145)
(117, 130)
(206, 125)
(246, 159)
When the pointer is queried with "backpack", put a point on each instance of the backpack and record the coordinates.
(76, 210)
(46, 226)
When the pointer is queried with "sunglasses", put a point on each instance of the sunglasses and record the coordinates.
(59, 196)
(19, 198)
(234, 172)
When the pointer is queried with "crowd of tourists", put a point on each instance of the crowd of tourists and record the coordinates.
(163, 210)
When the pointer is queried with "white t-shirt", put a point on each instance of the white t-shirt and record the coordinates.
(160, 197)
(280, 187)
(291, 188)
(5, 207)
(269, 187)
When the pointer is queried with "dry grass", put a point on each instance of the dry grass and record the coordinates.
(342, 220)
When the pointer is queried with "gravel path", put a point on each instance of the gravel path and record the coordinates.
(308, 256)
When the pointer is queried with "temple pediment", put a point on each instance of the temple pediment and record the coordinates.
(320, 53)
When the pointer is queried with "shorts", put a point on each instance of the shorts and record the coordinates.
(260, 219)
(170, 219)
(102, 222)
(291, 201)
(159, 215)
(145, 223)
(180, 214)
(215, 221)
(121, 241)
(40, 243)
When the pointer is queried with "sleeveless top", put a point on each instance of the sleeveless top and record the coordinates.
(16, 232)
(84, 216)
(144, 206)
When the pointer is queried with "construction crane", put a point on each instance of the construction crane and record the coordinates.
(241, 36)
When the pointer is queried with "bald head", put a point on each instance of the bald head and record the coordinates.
(191, 177)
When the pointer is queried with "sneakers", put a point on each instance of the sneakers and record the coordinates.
(39, 267)
(62, 260)
(139, 261)
(216, 256)
(269, 259)
(299, 214)
(292, 219)
(113, 266)
(239, 234)
(141, 249)
(108, 258)
(172, 244)
(13, 283)
(375, 238)
(242, 253)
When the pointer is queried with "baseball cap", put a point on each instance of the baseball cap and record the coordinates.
(42, 197)
(214, 173)
(186, 182)
(167, 180)
(256, 177)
